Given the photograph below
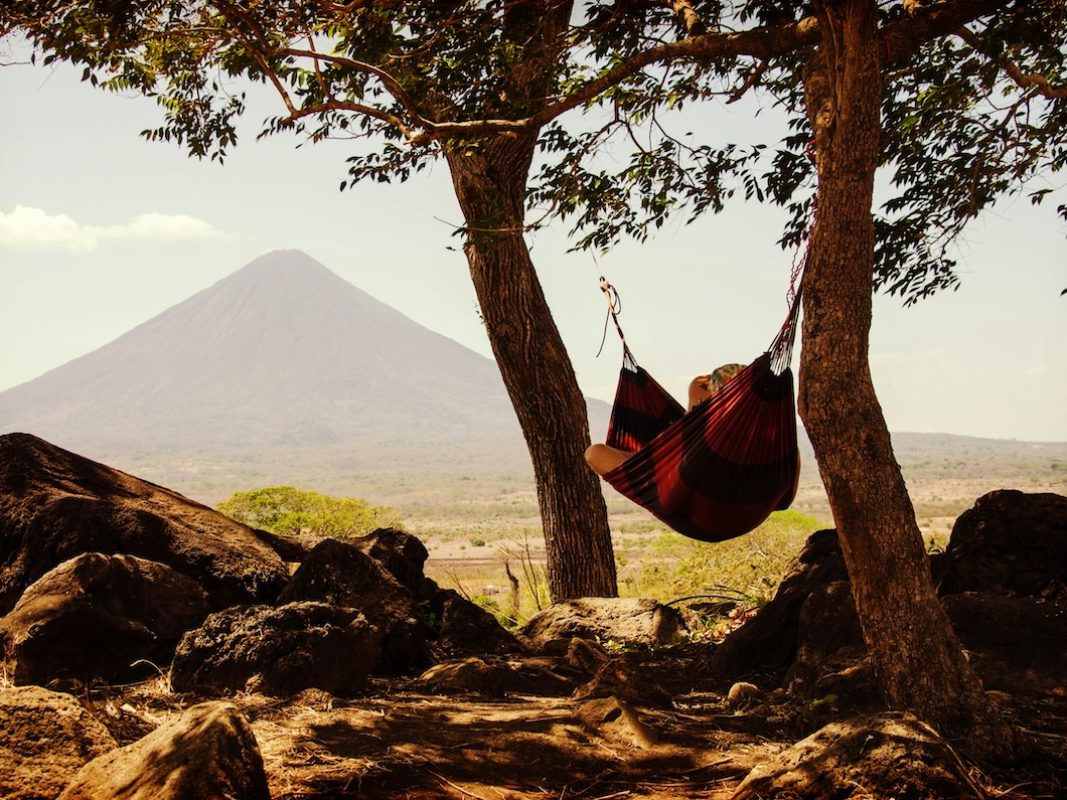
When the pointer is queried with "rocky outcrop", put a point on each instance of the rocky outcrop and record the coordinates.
(1010, 542)
(207, 752)
(887, 755)
(99, 616)
(1017, 644)
(278, 651)
(1002, 581)
(341, 574)
(464, 629)
(770, 640)
(55, 505)
(45, 737)
(498, 677)
(831, 657)
(631, 621)
(403, 555)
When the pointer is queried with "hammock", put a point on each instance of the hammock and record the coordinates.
(719, 470)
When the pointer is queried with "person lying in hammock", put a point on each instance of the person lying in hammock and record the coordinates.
(604, 458)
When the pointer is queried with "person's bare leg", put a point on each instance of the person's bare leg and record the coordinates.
(604, 459)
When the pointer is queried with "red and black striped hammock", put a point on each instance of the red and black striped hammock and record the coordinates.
(719, 470)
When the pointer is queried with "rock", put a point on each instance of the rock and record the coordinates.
(622, 621)
(626, 681)
(886, 755)
(403, 555)
(615, 675)
(614, 718)
(741, 694)
(1010, 542)
(45, 737)
(207, 752)
(1018, 644)
(467, 629)
(769, 641)
(95, 615)
(498, 677)
(811, 632)
(343, 575)
(831, 657)
(55, 505)
(587, 656)
(291, 548)
(278, 651)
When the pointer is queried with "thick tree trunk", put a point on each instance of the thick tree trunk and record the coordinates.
(490, 183)
(920, 661)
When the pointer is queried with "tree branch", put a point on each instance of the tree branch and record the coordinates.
(687, 17)
(750, 81)
(391, 84)
(1023, 79)
(901, 37)
(356, 108)
(925, 22)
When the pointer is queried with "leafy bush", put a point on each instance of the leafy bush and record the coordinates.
(751, 566)
(288, 510)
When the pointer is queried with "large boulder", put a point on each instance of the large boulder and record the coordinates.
(207, 752)
(770, 640)
(45, 737)
(55, 505)
(498, 676)
(343, 575)
(96, 616)
(278, 651)
(462, 628)
(1002, 581)
(1010, 542)
(630, 621)
(403, 555)
(831, 659)
(1016, 644)
(887, 755)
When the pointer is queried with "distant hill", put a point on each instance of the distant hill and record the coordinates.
(282, 361)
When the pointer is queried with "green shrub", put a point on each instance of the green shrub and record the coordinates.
(750, 566)
(287, 510)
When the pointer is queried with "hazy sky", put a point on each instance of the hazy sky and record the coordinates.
(101, 230)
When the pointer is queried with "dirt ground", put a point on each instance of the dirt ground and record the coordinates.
(398, 741)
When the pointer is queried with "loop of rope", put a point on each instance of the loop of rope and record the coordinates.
(614, 309)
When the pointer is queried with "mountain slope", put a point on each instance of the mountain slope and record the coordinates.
(281, 353)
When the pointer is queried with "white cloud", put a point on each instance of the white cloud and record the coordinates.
(32, 227)
(27, 228)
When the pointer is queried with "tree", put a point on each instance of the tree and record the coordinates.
(963, 117)
(422, 73)
(288, 511)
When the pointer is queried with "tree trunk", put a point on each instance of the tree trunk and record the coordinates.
(919, 659)
(490, 183)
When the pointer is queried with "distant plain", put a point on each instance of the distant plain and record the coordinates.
(475, 509)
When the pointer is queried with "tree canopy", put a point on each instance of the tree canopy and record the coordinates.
(973, 105)
(972, 111)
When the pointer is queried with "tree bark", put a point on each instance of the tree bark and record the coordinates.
(919, 659)
(490, 183)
